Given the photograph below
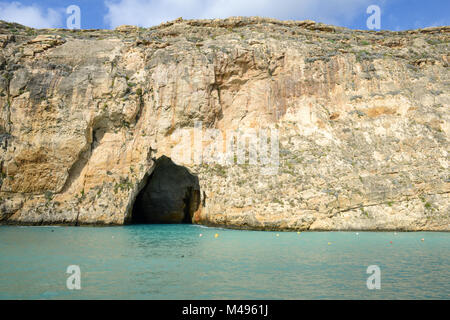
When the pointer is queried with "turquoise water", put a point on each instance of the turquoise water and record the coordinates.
(175, 262)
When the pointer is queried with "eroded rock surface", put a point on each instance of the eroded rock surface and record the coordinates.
(362, 117)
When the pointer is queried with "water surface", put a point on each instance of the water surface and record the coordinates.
(175, 262)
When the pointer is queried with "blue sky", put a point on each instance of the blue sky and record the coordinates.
(107, 14)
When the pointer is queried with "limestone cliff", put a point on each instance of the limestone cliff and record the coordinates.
(362, 120)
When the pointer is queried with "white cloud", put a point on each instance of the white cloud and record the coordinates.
(152, 12)
(31, 16)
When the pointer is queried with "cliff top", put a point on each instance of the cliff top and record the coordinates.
(248, 31)
(232, 22)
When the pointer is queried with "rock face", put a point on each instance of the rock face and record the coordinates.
(171, 195)
(362, 123)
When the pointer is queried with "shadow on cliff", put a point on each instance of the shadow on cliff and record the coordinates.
(170, 195)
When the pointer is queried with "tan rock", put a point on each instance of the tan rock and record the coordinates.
(362, 120)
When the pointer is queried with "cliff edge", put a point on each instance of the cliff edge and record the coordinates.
(361, 120)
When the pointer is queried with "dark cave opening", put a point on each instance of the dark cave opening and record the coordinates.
(170, 195)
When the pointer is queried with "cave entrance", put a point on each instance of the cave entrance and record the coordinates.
(170, 195)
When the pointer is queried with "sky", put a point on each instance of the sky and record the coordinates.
(107, 14)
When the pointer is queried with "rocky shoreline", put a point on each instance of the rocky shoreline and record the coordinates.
(362, 120)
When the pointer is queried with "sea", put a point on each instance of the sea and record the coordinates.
(197, 263)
